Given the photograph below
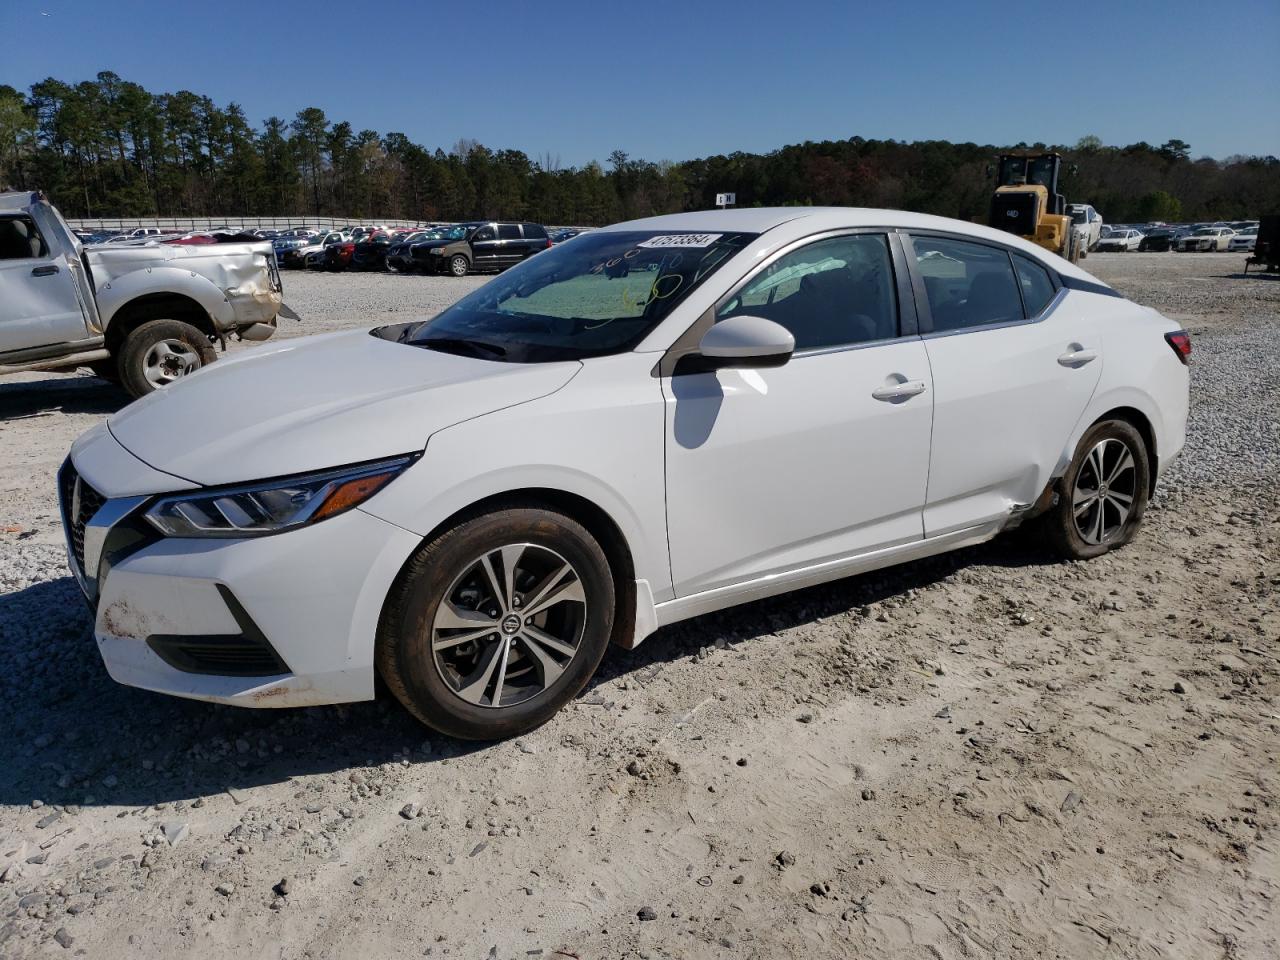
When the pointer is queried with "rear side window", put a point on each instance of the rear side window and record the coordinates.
(1037, 287)
(508, 231)
(534, 232)
(20, 239)
(968, 284)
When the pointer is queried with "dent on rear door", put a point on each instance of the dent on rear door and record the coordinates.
(1005, 409)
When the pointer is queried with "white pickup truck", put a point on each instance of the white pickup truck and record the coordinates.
(142, 314)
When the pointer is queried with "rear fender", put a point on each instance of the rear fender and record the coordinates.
(148, 281)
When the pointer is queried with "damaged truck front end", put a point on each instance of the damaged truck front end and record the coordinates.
(142, 314)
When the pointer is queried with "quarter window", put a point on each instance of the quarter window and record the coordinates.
(1037, 287)
(968, 284)
(508, 231)
(20, 239)
(533, 231)
(830, 293)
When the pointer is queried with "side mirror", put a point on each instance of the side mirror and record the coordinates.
(745, 341)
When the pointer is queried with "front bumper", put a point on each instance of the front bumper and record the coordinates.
(278, 621)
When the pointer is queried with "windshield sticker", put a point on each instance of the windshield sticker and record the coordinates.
(692, 240)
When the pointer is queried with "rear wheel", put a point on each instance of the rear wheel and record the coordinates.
(161, 352)
(1103, 495)
(496, 624)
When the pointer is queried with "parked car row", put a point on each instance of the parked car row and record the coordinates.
(456, 249)
(1236, 236)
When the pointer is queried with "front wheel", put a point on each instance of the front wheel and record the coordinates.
(458, 265)
(496, 624)
(1103, 495)
(161, 352)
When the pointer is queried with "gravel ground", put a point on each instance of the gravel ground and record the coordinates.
(984, 754)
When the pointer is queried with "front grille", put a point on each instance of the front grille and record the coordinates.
(217, 656)
(79, 503)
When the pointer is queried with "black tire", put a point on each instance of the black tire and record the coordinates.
(1059, 523)
(459, 265)
(415, 674)
(134, 357)
(107, 370)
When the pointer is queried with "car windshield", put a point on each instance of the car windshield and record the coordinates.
(453, 233)
(1080, 216)
(1207, 232)
(600, 294)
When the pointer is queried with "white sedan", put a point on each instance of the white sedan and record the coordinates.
(1122, 240)
(1244, 241)
(660, 419)
(1207, 238)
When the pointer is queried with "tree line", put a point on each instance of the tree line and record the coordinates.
(109, 148)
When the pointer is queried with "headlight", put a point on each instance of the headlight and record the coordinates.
(255, 510)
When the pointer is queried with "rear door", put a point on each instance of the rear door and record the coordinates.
(39, 297)
(510, 244)
(535, 238)
(1015, 361)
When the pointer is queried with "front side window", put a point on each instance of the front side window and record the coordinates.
(599, 295)
(967, 284)
(830, 293)
(508, 231)
(1037, 287)
(484, 233)
(20, 239)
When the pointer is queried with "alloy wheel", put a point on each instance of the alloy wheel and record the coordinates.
(169, 360)
(1105, 490)
(509, 625)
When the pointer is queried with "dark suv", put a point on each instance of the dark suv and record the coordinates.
(481, 245)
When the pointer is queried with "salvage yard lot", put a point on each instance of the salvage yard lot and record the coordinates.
(986, 754)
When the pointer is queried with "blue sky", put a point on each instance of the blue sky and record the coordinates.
(675, 80)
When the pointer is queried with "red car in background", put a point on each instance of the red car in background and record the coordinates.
(337, 256)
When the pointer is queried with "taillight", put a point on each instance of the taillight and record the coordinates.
(548, 246)
(1181, 343)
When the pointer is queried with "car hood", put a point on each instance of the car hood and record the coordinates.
(319, 402)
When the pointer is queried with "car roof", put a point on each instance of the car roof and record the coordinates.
(800, 221)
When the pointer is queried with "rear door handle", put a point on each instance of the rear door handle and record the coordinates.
(46, 271)
(897, 392)
(1078, 358)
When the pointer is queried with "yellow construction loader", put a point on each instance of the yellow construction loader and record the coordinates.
(1027, 202)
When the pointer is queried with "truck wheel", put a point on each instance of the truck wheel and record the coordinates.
(160, 352)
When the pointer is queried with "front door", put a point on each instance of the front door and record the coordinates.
(1015, 362)
(39, 301)
(821, 459)
(486, 248)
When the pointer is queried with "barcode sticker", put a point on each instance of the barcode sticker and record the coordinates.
(682, 240)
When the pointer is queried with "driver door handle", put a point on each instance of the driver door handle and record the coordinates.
(45, 271)
(899, 391)
(1078, 358)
